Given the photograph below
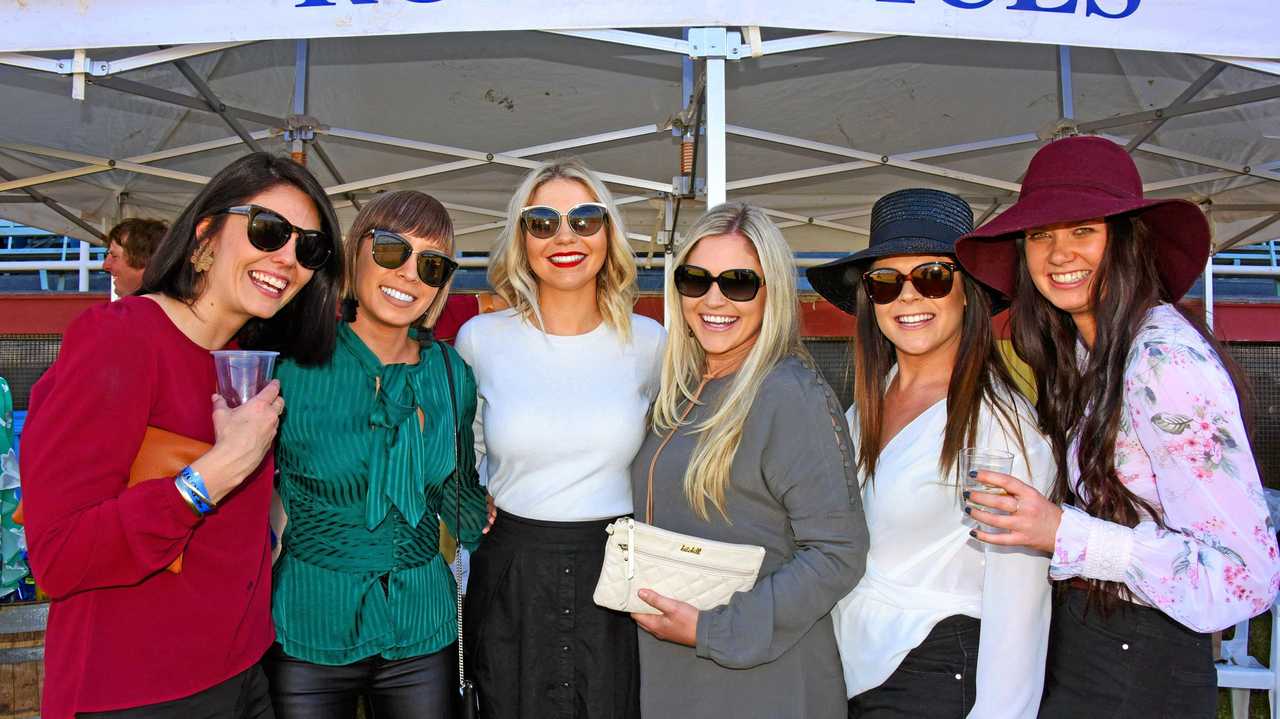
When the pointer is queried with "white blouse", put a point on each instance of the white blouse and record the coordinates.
(924, 567)
(560, 418)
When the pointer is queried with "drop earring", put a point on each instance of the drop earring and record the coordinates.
(202, 258)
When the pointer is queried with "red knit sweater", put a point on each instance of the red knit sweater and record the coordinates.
(123, 632)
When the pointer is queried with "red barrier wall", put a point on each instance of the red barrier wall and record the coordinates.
(49, 313)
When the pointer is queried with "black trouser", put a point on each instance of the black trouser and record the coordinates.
(243, 696)
(937, 679)
(394, 689)
(1133, 662)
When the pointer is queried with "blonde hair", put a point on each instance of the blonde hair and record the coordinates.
(514, 281)
(684, 361)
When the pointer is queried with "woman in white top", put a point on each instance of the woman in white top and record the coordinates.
(565, 377)
(941, 625)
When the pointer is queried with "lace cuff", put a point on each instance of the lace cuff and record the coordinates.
(1090, 547)
(1108, 550)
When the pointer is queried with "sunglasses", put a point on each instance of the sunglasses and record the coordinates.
(932, 280)
(390, 251)
(584, 219)
(736, 285)
(268, 232)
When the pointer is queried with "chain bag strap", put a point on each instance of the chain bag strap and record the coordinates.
(468, 697)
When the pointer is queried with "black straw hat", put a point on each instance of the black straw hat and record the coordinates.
(916, 221)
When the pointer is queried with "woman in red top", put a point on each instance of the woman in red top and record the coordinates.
(252, 259)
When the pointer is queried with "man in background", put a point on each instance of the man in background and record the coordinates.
(129, 248)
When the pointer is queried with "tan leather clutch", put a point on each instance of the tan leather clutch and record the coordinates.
(162, 455)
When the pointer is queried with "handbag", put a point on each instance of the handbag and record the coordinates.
(468, 705)
(162, 455)
(697, 571)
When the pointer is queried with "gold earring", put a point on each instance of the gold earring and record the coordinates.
(202, 258)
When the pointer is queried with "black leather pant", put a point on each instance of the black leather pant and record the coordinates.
(418, 687)
(243, 696)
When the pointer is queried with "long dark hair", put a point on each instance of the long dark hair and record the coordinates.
(304, 330)
(1087, 402)
(980, 376)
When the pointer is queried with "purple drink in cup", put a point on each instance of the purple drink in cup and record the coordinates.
(242, 373)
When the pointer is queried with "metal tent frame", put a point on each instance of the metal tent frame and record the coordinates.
(712, 48)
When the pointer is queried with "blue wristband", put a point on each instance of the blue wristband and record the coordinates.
(193, 484)
(193, 480)
(197, 505)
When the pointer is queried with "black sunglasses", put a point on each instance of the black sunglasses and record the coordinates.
(543, 222)
(268, 232)
(931, 279)
(391, 250)
(736, 285)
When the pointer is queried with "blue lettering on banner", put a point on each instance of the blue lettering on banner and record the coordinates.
(330, 3)
(1092, 7)
(1068, 7)
(1129, 7)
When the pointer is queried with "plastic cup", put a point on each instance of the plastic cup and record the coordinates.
(992, 460)
(242, 373)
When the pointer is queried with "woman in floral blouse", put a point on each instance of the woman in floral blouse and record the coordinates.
(1158, 526)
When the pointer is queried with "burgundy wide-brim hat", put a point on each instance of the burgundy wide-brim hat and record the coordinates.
(1082, 178)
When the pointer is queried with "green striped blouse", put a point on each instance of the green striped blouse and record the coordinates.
(364, 478)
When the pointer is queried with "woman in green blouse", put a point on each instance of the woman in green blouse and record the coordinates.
(363, 601)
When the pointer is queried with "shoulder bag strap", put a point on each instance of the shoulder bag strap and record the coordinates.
(653, 463)
(457, 494)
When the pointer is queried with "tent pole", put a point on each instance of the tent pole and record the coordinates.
(714, 44)
(82, 273)
(1208, 293)
(1192, 90)
(1258, 172)
(857, 165)
(298, 148)
(716, 177)
(218, 106)
(54, 205)
(668, 249)
(1066, 98)
(889, 160)
(1221, 102)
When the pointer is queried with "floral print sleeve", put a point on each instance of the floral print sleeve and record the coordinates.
(1181, 446)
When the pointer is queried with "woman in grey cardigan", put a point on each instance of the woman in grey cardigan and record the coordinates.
(748, 446)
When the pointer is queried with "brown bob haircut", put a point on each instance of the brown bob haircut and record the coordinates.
(404, 212)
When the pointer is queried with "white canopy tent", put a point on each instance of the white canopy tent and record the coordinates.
(813, 109)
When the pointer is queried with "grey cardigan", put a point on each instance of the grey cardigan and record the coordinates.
(770, 652)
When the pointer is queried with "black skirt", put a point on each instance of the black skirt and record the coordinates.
(537, 646)
(1133, 662)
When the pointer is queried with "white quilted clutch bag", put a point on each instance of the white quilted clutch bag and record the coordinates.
(702, 572)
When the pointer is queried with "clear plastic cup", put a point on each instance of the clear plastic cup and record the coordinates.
(993, 460)
(242, 373)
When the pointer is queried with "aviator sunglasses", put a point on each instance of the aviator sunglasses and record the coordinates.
(584, 219)
(268, 232)
(391, 250)
(736, 285)
(931, 279)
